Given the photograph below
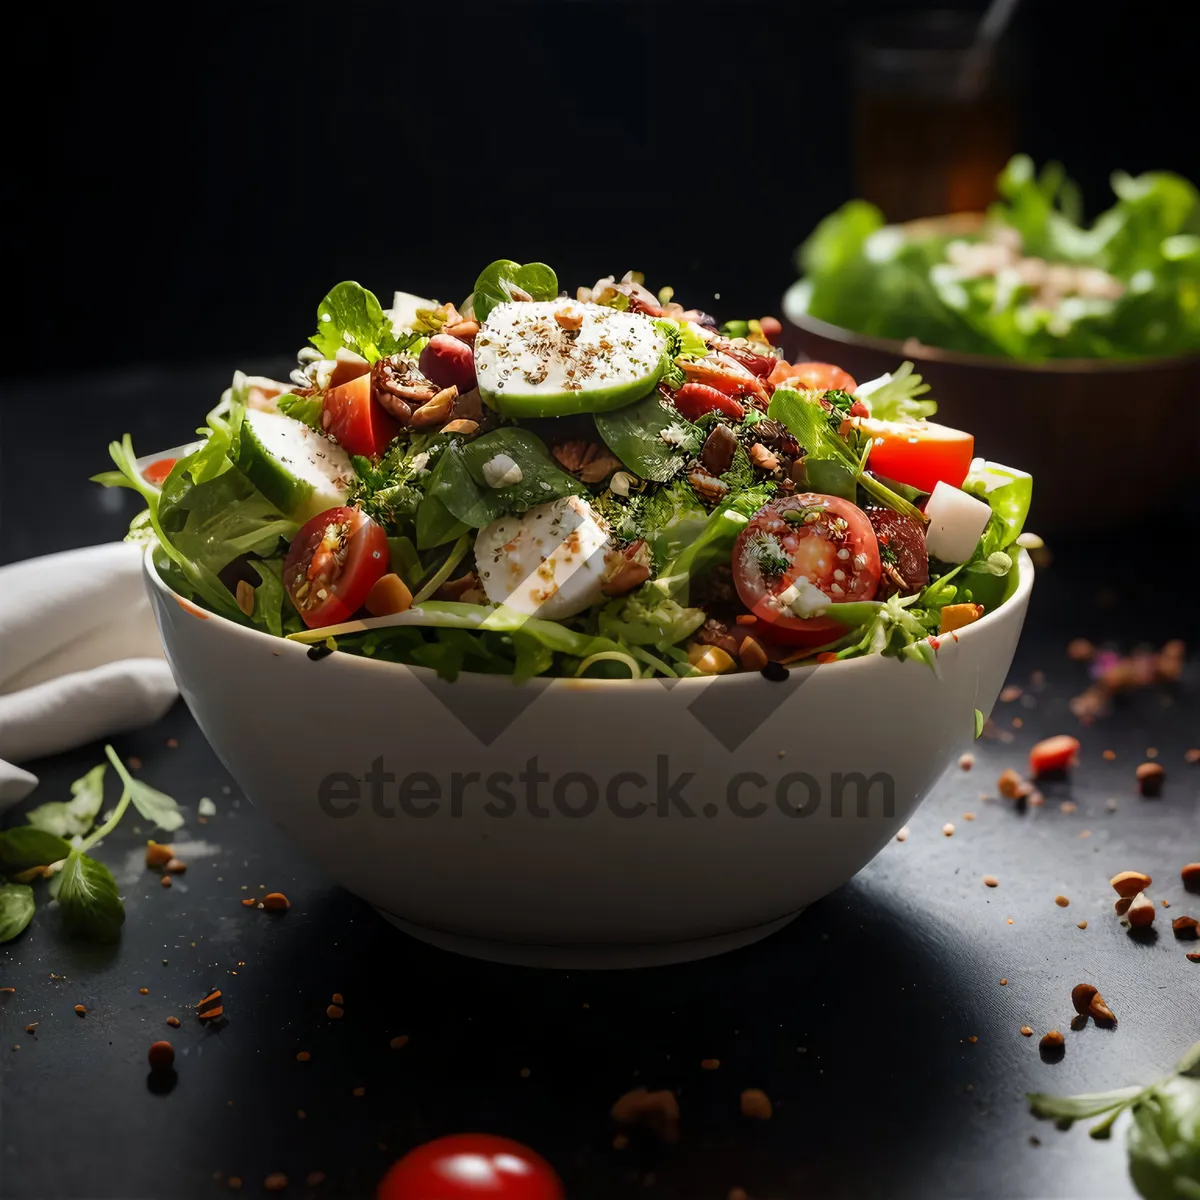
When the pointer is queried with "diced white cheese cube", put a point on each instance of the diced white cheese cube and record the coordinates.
(956, 521)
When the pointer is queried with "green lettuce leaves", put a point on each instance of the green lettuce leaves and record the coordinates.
(502, 281)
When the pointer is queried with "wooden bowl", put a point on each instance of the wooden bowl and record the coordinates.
(1106, 442)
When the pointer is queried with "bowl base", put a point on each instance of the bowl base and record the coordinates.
(588, 956)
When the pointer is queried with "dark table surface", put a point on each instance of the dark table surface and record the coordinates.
(857, 1019)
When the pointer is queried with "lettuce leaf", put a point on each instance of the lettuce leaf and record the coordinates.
(1008, 493)
(351, 318)
(893, 397)
(497, 283)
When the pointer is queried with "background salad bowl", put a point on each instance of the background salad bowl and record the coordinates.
(413, 792)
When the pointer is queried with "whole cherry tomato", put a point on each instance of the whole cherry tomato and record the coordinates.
(471, 1166)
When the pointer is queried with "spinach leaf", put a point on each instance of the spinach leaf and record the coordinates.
(88, 898)
(459, 483)
(497, 280)
(75, 816)
(436, 524)
(16, 909)
(27, 846)
(351, 317)
(635, 434)
(154, 805)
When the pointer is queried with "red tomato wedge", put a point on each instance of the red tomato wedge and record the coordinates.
(695, 399)
(799, 543)
(471, 1166)
(356, 419)
(157, 471)
(919, 453)
(332, 563)
(1054, 754)
(814, 376)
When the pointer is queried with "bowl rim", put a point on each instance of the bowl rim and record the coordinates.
(919, 351)
(1019, 598)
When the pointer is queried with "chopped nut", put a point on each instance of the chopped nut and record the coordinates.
(390, 594)
(1185, 927)
(1150, 777)
(752, 655)
(165, 881)
(360, 1091)
(709, 660)
(1081, 650)
(957, 616)
(398, 1043)
(1053, 1041)
(1008, 695)
(335, 1012)
(1061, 901)
(1192, 756)
(1128, 883)
(657, 1111)
(303, 1056)
(1088, 1002)
(465, 427)
(902, 836)
(1109, 755)
(1191, 877)
(756, 1105)
(158, 855)
(244, 595)
(708, 488)
(966, 762)
(1081, 925)
(276, 902)
(177, 866)
(710, 1064)
(276, 1182)
(948, 829)
(1026, 1031)
(569, 318)
(338, 998)
(437, 411)
(1141, 911)
(80, 1010)
(1011, 785)
(1121, 907)
(173, 1022)
(990, 881)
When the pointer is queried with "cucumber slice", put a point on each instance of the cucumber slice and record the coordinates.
(529, 366)
(298, 469)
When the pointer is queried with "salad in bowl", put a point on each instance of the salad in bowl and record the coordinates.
(595, 484)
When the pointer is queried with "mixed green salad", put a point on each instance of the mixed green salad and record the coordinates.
(1028, 280)
(608, 484)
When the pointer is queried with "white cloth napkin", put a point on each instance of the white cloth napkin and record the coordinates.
(80, 657)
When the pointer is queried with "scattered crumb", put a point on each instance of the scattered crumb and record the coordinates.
(1017, 723)
(620, 1142)
(1141, 911)
(276, 902)
(657, 1111)
(1193, 957)
(143, 991)
(360, 1091)
(1182, 927)
(1061, 901)
(1011, 786)
(1081, 925)
(334, 1012)
(1111, 805)
(756, 1105)
(966, 762)
(710, 1064)
(337, 998)
(315, 1178)
(1010, 693)
(968, 816)
(525, 1072)
(948, 829)
(276, 1182)
(303, 1056)
(165, 881)
(1010, 920)
(1150, 777)
(134, 763)
(1004, 983)
(173, 1022)
(738, 1193)
(1110, 755)
(1052, 1041)
(1085, 833)
(902, 836)
(1191, 876)
(1081, 650)
(990, 881)
(1068, 807)
(399, 1042)
(234, 1183)
(1192, 756)
(973, 1039)
(80, 1010)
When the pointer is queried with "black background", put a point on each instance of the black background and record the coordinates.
(189, 180)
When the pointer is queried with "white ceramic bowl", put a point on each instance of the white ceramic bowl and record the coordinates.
(572, 879)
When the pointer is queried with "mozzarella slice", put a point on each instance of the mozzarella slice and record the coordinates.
(548, 562)
(956, 521)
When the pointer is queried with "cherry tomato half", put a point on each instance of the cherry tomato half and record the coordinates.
(812, 375)
(919, 453)
(157, 471)
(904, 561)
(356, 418)
(801, 542)
(1054, 754)
(332, 563)
(471, 1166)
(695, 399)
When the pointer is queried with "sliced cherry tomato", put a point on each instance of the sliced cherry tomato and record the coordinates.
(919, 453)
(799, 543)
(157, 471)
(904, 561)
(812, 375)
(695, 399)
(470, 1166)
(356, 418)
(332, 563)
(1054, 754)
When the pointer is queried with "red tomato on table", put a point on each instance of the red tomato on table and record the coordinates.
(332, 563)
(471, 1166)
(357, 419)
(919, 453)
(797, 544)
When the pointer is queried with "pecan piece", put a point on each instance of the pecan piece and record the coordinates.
(707, 487)
(399, 387)
(718, 451)
(762, 458)
(436, 411)
(587, 460)
(626, 570)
